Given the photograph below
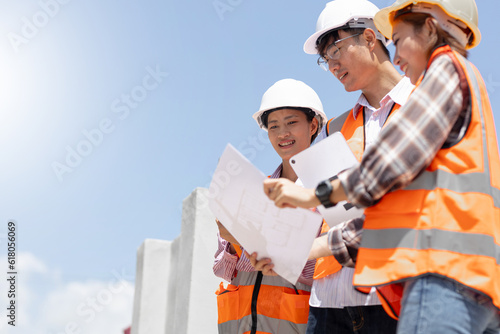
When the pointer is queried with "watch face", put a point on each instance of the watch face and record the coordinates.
(322, 190)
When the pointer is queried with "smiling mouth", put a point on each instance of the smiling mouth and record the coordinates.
(288, 143)
(404, 68)
(342, 76)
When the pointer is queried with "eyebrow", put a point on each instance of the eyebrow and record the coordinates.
(286, 118)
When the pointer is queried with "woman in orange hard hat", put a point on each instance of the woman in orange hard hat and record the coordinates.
(431, 182)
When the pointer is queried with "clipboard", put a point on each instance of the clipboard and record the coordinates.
(321, 161)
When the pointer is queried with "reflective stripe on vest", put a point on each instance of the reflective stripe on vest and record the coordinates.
(446, 220)
(264, 326)
(281, 307)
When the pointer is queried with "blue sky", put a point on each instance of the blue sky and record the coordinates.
(147, 94)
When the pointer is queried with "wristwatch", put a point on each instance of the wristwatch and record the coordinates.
(323, 192)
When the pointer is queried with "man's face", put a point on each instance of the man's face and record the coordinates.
(354, 64)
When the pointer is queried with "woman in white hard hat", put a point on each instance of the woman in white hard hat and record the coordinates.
(431, 182)
(259, 301)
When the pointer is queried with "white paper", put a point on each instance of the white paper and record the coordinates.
(237, 199)
(321, 161)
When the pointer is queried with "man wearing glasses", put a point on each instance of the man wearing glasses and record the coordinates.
(354, 51)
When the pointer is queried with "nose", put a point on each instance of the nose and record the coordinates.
(284, 132)
(396, 59)
(333, 66)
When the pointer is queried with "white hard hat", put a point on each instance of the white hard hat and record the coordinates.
(452, 15)
(291, 93)
(343, 14)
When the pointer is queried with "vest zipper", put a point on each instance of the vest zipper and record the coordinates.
(253, 307)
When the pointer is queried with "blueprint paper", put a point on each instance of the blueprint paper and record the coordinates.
(321, 161)
(237, 199)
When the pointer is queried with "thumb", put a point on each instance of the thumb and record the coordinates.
(269, 185)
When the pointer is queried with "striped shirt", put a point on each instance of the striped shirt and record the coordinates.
(336, 290)
(433, 116)
(227, 265)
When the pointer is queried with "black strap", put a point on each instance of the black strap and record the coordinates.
(390, 112)
(255, 295)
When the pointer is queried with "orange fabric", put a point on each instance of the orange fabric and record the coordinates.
(238, 250)
(325, 265)
(328, 125)
(437, 208)
(390, 297)
(275, 302)
(353, 132)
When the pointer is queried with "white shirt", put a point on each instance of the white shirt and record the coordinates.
(336, 290)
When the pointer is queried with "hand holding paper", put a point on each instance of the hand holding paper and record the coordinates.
(265, 265)
(321, 161)
(286, 193)
(237, 199)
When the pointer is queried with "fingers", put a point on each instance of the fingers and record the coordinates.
(257, 264)
(276, 191)
(263, 265)
(274, 187)
(269, 185)
(267, 270)
(283, 201)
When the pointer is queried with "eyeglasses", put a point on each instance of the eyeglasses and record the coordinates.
(332, 53)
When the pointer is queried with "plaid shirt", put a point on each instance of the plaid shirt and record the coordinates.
(432, 117)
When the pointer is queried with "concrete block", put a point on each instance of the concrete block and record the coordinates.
(150, 298)
(175, 285)
(197, 302)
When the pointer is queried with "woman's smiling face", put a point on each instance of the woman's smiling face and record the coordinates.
(290, 131)
(412, 49)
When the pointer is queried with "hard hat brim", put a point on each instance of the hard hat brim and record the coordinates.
(256, 116)
(384, 21)
(310, 44)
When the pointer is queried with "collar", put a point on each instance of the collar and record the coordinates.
(277, 172)
(398, 94)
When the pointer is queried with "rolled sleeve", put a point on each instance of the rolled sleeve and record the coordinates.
(344, 241)
(225, 262)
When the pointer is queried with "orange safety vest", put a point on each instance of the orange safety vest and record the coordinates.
(447, 221)
(325, 265)
(258, 304)
(354, 134)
